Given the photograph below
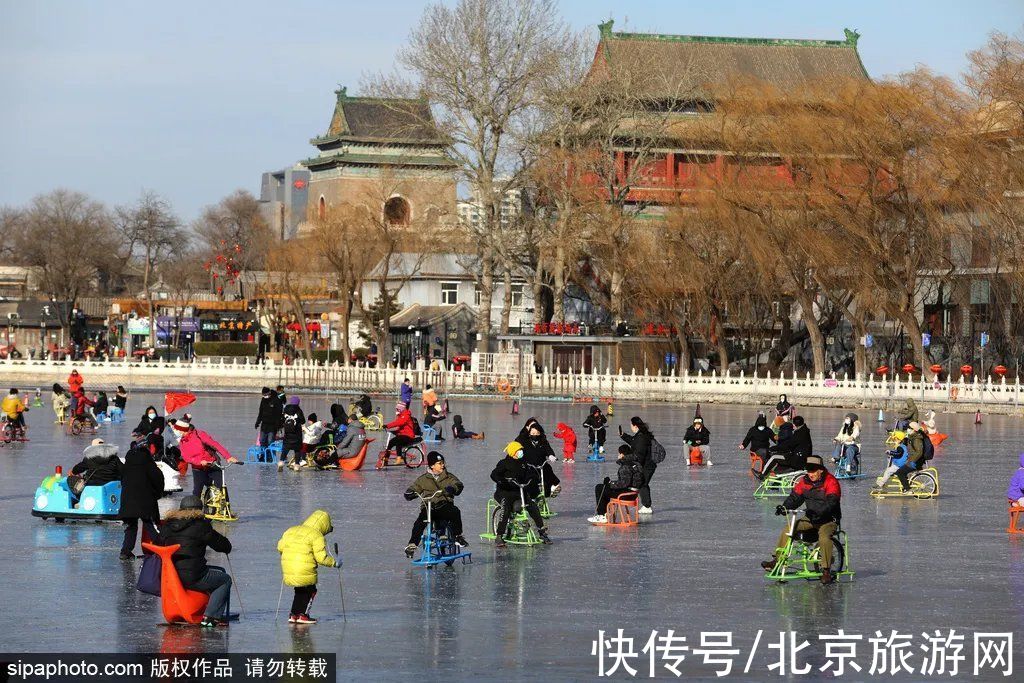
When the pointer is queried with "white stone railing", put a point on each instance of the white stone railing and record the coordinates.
(241, 374)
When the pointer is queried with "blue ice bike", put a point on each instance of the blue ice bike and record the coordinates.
(595, 453)
(438, 545)
(847, 464)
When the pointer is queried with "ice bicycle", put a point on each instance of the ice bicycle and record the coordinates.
(519, 530)
(800, 558)
(438, 545)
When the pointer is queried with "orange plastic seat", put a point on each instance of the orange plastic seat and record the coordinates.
(1015, 513)
(623, 510)
(756, 462)
(937, 438)
(356, 462)
(178, 603)
(696, 458)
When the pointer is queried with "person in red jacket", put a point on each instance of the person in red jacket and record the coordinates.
(821, 494)
(82, 402)
(403, 433)
(568, 436)
(75, 383)
(200, 450)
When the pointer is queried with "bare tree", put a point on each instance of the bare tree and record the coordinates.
(150, 231)
(69, 238)
(479, 65)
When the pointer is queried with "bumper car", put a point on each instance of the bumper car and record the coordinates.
(55, 500)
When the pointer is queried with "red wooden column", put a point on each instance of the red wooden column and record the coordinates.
(670, 169)
(620, 167)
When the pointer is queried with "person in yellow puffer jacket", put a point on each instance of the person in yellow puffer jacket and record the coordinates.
(14, 409)
(302, 548)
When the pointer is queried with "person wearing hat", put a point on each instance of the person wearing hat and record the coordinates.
(916, 443)
(509, 475)
(303, 548)
(908, 414)
(438, 482)
(698, 435)
(352, 442)
(188, 527)
(200, 450)
(820, 493)
(403, 432)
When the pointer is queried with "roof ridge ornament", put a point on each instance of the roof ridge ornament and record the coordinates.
(606, 28)
(342, 92)
(851, 36)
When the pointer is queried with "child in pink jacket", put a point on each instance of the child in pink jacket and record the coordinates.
(568, 437)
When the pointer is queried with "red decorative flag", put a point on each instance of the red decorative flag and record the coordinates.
(174, 400)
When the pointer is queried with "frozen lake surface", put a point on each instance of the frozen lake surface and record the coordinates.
(534, 613)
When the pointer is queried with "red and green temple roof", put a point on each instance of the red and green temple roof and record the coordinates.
(702, 67)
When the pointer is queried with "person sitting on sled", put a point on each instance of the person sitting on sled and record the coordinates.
(352, 442)
(629, 479)
(848, 441)
(789, 453)
(188, 527)
(821, 494)
(568, 436)
(364, 406)
(759, 438)
(314, 433)
(698, 435)
(459, 430)
(303, 548)
(1015, 491)
(917, 449)
(595, 424)
(438, 482)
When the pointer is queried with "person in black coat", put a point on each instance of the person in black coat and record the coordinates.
(268, 420)
(759, 437)
(595, 424)
(629, 478)
(189, 528)
(511, 472)
(294, 419)
(539, 454)
(151, 426)
(639, 439)
(142, 484)
(700, 436)
(790, 454)
(99, 465)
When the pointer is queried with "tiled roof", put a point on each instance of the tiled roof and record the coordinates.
(381, 120)
(701, 67)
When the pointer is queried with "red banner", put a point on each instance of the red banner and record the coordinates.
(174, 400)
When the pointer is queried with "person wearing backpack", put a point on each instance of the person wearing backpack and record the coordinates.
(630, 477)
(919, 451)
(641, 440)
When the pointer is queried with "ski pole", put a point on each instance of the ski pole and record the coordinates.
(234, 582)
(280, 594)
(341, 589)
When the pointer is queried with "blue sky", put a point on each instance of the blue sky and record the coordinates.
(196, 99)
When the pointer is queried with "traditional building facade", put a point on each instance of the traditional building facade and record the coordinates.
(688, 75)
(382, 151)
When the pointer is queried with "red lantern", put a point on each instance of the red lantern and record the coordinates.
(220, 290)
(999, 370)
(215, 276)
(882, 370)
(936, 368)
(909, 368)
(966, 370)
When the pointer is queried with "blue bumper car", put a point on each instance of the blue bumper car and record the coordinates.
(54, 500)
